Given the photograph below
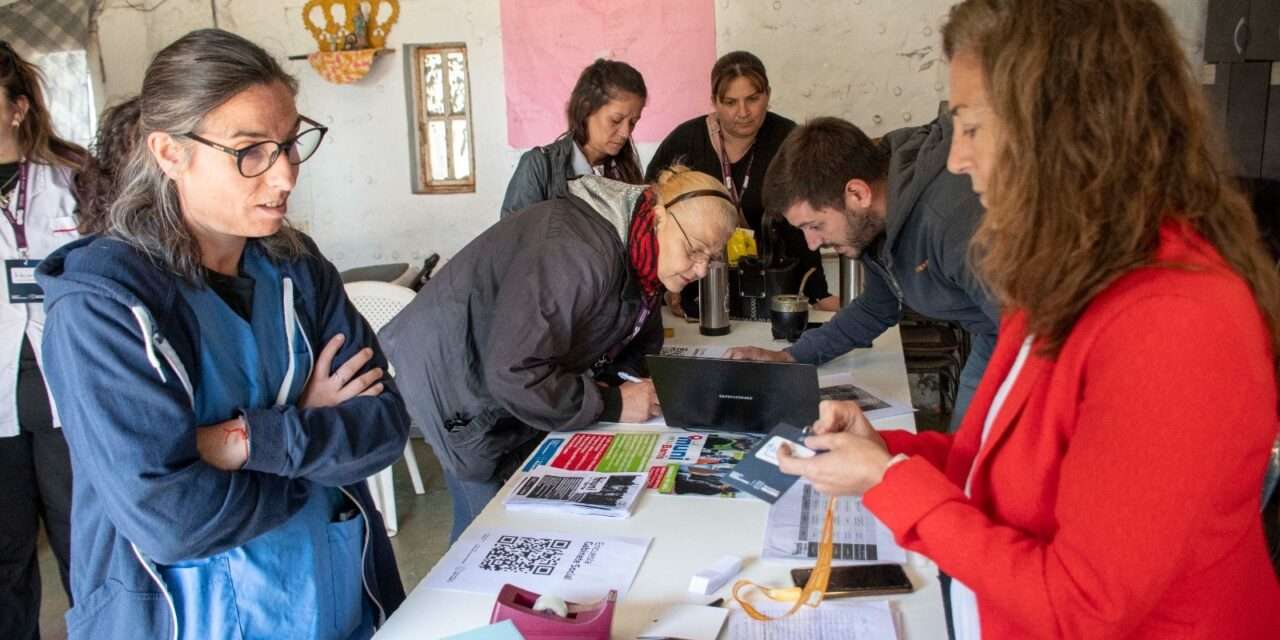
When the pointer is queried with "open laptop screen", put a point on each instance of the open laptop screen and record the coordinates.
(734, 395)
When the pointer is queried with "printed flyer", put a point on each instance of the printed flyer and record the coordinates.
(611, 495)
(679, 463)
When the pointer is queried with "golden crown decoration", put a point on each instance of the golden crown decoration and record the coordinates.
(360, 25)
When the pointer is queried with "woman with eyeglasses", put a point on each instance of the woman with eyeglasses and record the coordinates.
(224, 401)
(37, 170)
(535, 325)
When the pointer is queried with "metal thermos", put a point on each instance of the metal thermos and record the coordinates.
(713, 300)
(852, 279)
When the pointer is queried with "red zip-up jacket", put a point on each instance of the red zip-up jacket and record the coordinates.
(1117, 494)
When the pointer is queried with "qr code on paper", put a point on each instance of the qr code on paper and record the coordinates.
(518, 554)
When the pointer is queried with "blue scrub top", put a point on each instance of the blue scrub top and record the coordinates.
(303, 578)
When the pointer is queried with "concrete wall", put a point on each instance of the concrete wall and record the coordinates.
(875, 62)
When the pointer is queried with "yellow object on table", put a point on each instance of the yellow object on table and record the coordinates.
(741, 243)
(811, 594)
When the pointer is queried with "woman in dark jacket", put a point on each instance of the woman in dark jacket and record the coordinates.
(526, 329)
(736, 142)
(603, 110)
(223, 400)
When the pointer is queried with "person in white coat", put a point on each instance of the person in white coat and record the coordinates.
(37, 197)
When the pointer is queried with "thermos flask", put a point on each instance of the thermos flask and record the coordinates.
(852, 280)
(713, 300)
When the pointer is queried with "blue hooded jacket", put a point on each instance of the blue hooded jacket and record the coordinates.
(120, 345)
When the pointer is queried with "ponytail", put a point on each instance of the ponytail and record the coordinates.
(119, 133)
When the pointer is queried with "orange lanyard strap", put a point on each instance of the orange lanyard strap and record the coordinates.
(800, 596)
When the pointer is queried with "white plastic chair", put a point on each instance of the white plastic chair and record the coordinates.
(378, 302)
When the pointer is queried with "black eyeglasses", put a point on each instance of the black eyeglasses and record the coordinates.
(698, 256)
(256, 159)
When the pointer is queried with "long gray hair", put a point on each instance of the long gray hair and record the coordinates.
(186, 80)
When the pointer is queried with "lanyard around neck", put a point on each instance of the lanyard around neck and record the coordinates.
(16, 210)
(727, 170)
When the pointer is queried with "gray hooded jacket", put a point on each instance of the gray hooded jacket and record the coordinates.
(922, 258)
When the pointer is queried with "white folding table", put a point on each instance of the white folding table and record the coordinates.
(689, 532)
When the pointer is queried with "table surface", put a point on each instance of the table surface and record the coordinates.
(689, 532)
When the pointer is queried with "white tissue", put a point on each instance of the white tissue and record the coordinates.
(554, 604)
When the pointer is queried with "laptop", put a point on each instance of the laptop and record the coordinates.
(734, 395)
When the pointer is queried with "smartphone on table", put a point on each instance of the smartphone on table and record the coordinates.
(860, 580)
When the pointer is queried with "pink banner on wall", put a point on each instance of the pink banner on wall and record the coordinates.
(547, 43)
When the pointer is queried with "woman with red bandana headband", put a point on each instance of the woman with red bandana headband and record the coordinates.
(526, 330)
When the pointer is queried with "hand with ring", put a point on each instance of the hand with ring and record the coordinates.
(329, 388)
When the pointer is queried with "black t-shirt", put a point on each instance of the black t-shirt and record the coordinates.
(690, 144)
(236, 291)
(8, 176)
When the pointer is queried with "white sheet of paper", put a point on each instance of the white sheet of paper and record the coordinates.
(794, 529)
(873, 403)
(505, 630)
(844, 619)
(708, 351)
(687, 622)
(578, 568)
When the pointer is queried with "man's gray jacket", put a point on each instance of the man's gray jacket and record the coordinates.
(922, 259)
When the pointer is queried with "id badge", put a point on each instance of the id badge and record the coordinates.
(22, 281)
(757, 474)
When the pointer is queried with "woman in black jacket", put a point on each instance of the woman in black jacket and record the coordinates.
(603, 110)
(527, 328)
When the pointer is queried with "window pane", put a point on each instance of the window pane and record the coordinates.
(433, 83)
(461, 149)
(69, 94)
(439, 145)
(457, 82)
(444, 158)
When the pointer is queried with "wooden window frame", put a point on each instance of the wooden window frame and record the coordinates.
(419, 119)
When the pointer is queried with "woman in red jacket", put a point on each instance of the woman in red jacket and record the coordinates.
(1106, 481)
